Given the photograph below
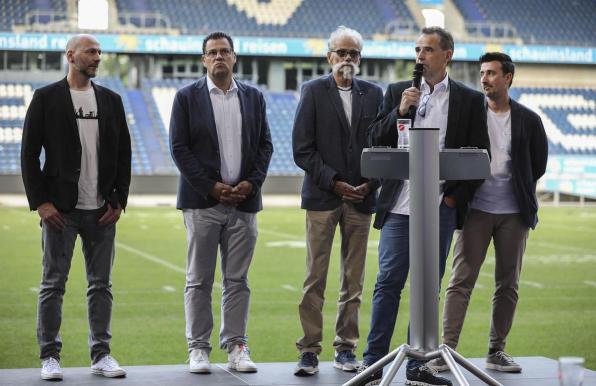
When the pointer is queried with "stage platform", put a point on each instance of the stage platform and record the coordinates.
(537, 371)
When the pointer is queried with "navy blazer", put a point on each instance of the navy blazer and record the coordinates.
(326, 147)
(51, 124)
(195, 147)
(529, 155)
(466, 127)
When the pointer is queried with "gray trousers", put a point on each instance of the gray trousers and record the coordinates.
(509, 235)
(98, 249)
(320, 230)
(235, 233)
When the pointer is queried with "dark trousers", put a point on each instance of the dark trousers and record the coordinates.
(98, 250)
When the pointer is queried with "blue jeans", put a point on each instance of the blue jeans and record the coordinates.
(394, 264)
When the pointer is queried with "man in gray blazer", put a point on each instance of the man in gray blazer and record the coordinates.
(503, 209)
(330, 130)
(220, 142)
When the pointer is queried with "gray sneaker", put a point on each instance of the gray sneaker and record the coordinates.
(438, 364)
(501, 361)
(346, 361)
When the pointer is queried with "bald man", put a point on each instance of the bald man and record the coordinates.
(77, 123)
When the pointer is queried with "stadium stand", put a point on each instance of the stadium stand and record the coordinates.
(568, 114)
(288, 18)
(537, 21)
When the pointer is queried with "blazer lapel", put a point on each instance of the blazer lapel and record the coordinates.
(201, 99)
(336, 101)
(244, 108)
(101, 121)
(453, 115)
(516, 129)
(69, 109)
(357, 97)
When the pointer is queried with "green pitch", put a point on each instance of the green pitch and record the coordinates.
(556, 314)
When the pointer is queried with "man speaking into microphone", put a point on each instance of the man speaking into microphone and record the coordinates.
(460, 115)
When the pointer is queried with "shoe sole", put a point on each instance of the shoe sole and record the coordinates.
(301, 372)
(349, 369)
(504, 369)
(200, 371)
(243, 369)
(51, 377)
(115, 374)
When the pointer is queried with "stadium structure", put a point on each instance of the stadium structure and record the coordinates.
(153, 47)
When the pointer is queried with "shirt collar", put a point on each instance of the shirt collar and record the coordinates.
(439, 87)
(211, 86)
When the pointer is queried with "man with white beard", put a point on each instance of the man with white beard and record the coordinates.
(330, 130)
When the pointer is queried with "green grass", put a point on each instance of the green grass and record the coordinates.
(556, 319)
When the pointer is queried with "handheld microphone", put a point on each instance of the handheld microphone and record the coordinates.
(416, 80)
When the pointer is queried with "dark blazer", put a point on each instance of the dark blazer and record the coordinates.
(195, 147)
(529, 154)
(50, 124)
(326, 147)
(466, 127)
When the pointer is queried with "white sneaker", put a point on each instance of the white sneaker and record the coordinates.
(239, 360)
(108, 367)
(199, 361)
(50, 369)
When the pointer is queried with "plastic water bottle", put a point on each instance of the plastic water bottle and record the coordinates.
(403, 133)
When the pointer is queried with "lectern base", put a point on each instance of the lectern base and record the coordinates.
(449, 355)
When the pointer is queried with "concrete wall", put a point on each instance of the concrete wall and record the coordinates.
(13, 184)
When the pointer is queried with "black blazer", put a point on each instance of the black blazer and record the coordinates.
(529, 155)
(326, 147)
(466, 126)
(195, 147)
(51, 124)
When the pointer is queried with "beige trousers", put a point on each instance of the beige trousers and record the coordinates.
(320, 229)
(509, 235)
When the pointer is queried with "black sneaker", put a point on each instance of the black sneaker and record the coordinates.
(346, 361)
(425, 376)
(373, 379)
(500, 361)
(308, 365)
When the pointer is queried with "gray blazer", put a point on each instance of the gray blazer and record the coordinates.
(327, 147)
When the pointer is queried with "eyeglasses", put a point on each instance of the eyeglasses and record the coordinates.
(225, 52)
(422, 107)
(343, 53)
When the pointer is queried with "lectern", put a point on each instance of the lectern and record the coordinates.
(424, 165)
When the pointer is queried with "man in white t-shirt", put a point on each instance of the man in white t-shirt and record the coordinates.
(78, 124)
(503, 209)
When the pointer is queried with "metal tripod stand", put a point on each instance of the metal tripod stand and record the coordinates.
(423, 168)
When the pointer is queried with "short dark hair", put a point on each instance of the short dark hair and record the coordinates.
(506, 63)
(446, 42)
(215, 36)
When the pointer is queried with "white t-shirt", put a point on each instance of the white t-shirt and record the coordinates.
(496, 194)
(85, 109)
(345, 93)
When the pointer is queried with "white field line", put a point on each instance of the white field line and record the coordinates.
(168, 288)
(590, 283)
(156, 260)
(564, 247)
(524, 282)
(289, 287)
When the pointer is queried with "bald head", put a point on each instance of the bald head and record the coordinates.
(76, 41)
